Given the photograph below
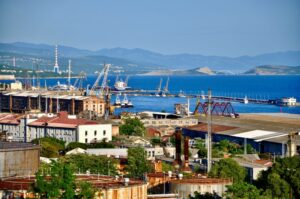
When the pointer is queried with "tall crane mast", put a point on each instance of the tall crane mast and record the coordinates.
(104, 84)
(166, 89)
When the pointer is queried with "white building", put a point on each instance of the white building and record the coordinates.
(151, 152)
(288, 101)
(15, 127)
(94, 133)
(25, 128)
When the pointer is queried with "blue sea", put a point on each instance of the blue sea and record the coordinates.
(257, 87)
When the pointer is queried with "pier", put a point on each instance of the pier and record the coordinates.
(151, 93)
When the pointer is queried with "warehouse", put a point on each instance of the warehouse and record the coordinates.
(49, 102)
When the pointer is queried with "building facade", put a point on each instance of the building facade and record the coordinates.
(69, 130)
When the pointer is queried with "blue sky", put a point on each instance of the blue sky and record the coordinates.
(208, 27)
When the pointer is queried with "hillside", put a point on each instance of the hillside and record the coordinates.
(136, 61)
(191, 72)
(274, 70)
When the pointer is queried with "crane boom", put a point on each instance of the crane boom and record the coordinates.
(167, 85)
(104, 81)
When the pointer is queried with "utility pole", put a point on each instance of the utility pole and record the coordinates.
(209, 146)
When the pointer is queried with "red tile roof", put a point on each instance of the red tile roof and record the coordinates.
(215, 127)
(61, 121)
(10, 119)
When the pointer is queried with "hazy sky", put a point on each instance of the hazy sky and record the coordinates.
(208, 27)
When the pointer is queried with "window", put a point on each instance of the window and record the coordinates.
(95, 132)
(86, 140)
(86, 133)
(104, 132)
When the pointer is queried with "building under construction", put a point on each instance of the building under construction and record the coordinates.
(49, 102)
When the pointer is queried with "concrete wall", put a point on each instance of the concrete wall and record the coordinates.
(19, 161)
(170, 122)
(68, 135)
(132, 192)
(18, 131)
(89, 133)
(184, 189)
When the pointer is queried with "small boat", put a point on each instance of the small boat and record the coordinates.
(181, 94)
(129, 105)
(117, 101)
(246, 101)
(163, 94)
(126, 103)
(62, 87)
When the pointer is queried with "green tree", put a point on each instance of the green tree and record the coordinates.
(86, 190)
(167, 167)
(60, 184)
(95, 164)
(282, 178)
(137, 162)
(50, 146)
(132, 126)
(155, 141)
(277, 187)
(74, 145)
(228, 168)
(206, 195)
(243, 190)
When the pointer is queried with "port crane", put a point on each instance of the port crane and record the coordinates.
(166, 89)
(79, 80)
(159, 88)
(104, 85)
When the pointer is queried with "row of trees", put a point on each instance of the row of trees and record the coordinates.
(54, 148)
(60, 183)
(132, 126)
(280, 181)
(57, 180)
(221, 148)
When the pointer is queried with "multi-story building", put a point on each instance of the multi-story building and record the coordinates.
(24, 128)
(69, 130)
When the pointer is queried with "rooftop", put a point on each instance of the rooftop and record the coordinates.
(61, 121)
(16, 145)
(103, 182)
(10, 118)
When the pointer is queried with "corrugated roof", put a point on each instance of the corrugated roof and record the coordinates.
(259, 135)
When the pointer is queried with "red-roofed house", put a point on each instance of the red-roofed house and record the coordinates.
(13, 126)
(69, 130)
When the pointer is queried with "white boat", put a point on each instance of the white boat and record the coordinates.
(120, 85)
(129, 105)
(62, 87)
(246, 101)
(163, 94)
(181, 94)
(117, 101)
(126, 103)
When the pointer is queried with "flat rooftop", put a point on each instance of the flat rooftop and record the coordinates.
(101, 182)
(271, 127)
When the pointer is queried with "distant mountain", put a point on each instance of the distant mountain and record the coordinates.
(138, 60)
(191, 72)
(274, 70)
(188, 61)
